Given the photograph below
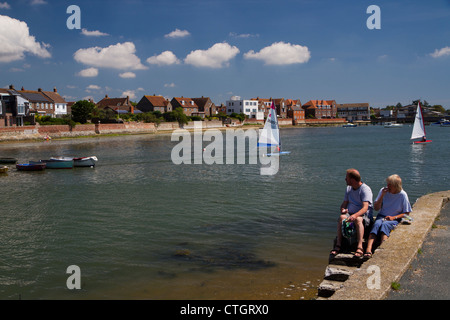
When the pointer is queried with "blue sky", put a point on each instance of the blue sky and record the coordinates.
(251, 48)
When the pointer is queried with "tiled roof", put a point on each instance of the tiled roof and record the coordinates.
(188, 102)
(113, 102)
(54, 96)
(314, 103)
(35, 96)
(157, 101)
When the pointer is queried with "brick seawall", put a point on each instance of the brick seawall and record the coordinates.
(61, 131)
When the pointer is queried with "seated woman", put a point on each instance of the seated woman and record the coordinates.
(393, 203)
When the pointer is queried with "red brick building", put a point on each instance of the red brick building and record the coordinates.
(320, 109)
(154, 103)
(118, 105)
(190, 108)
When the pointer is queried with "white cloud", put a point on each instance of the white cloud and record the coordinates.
(217, 56)
(119, 56)
(129, 93)
(243, 35)
(177, 33)
(15, 41)
(4, 5)
(93, 87)
(127, 75)
(88, 73)
(169, 85)
(38, 2)
(165, 58)
(441, 52)
(280, 53)
(95, 33)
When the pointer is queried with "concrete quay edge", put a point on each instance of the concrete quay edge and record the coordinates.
(372, 281)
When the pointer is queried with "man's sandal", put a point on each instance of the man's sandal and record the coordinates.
(368, 255)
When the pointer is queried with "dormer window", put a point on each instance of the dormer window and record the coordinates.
(182, 102)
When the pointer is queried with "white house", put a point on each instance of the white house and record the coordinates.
(59, 103)
(247, 107)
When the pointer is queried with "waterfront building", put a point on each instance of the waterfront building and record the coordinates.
(354, 111)
(386, 113)
(320, 109)
(118, 105)
(280, 105)
(39, 103)
(58, 101)
(251, 107)
(295, 111)
(14, 108)
(154, 103)
(206, 105)
(189, 106)
(264, 105)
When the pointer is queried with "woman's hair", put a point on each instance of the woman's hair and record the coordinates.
(395, 181)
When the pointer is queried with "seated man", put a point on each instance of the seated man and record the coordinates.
(393, 203)
(356, 208)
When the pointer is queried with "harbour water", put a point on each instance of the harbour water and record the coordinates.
(141, 227)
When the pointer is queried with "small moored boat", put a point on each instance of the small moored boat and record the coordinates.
(393, 125)
(8, 160)
(31, 166)
(3, 169)
(56, 163)
(85, 161)
(79, 161)
(350, 125)
(445, 123)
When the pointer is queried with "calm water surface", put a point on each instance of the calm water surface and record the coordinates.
(140, 227)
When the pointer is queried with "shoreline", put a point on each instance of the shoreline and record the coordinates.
(58, 132)
(40, 137)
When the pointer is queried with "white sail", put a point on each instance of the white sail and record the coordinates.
(418, 129)
(270, 134)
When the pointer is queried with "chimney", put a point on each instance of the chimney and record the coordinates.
(11, 87)
(22, 89)
(106, 96)
(54, 89)
(40, 89)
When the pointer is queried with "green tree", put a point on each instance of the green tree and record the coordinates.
(180, 116)
(82, 110)
(438, 108)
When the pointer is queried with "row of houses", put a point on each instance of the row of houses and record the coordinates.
(255, 108)
(407, 112)
(16, 106)
(258, 109)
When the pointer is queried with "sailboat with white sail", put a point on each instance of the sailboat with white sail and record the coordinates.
(419, 127)
(270, 134)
